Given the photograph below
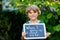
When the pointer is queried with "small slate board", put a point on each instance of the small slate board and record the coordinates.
(35, 31)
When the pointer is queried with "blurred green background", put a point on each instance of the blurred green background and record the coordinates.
(12, 17)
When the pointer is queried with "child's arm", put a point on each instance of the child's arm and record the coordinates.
(48, 34)
(23, 35)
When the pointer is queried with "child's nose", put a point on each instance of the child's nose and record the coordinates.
(32, 13)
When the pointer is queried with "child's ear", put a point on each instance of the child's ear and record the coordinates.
(39, 12)
(27, 14)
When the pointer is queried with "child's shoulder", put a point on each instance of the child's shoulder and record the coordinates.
(26, 22)
(41, 21)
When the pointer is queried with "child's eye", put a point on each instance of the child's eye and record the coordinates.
(29, 12)
(32, 12)
(35, 11)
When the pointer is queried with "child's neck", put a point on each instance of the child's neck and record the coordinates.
(34, 21)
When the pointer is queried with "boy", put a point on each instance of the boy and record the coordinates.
(32, 13)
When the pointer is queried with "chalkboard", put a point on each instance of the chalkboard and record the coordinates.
(35, 31)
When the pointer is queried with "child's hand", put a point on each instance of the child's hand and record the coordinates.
(23, 34)
(48, 34)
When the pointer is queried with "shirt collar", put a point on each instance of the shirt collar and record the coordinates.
(34, 23)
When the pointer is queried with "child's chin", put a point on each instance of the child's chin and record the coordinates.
(32, 19)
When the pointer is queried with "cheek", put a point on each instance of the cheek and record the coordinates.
(36, 15)
(29, 15)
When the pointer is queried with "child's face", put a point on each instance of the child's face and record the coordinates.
(32, 15)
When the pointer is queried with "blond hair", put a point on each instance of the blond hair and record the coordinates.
(34, 8)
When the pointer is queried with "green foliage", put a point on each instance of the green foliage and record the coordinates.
(49, 15)
(57, 28)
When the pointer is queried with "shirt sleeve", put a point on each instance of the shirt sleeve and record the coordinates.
(23, 28)
(45, 27)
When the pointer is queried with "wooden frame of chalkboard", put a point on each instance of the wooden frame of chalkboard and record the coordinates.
(35, 31)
